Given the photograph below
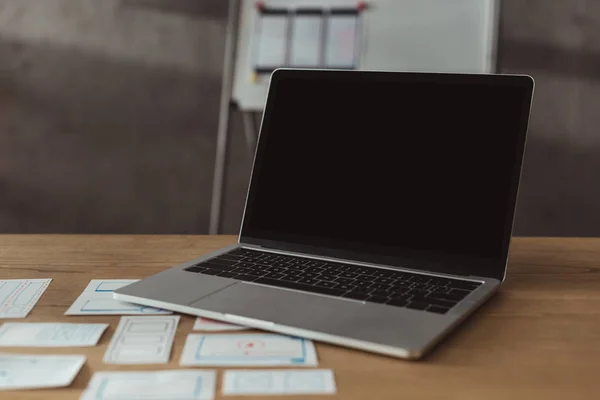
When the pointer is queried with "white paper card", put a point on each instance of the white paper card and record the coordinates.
(270, 41)
(307, 37)
(274, 382)
(18, 296)
(97, 299)
(154, 385)
(247, 349)
(34, 372)
(342, 41)
(48, 334)
(142, 340)
(209, 325)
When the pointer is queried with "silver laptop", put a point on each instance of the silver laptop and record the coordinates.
(379, 213)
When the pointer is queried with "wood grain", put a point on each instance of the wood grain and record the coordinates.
(538, 338)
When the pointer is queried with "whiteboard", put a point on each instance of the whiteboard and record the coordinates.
(396, 35)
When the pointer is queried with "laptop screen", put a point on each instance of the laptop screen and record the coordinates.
(390, 165)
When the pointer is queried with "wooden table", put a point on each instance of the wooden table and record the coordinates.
(538, 338)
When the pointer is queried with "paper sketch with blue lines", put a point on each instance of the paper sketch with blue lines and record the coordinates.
(152, 385)
(97, 299)
(18, 296)
(263, 349)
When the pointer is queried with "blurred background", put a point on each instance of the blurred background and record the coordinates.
(109, 113)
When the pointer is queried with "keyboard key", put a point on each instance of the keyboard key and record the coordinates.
(227, 274)
(405, 297)
(417, 292)
(383, 273)
(242, 270)
(420, 279)
(309, 275)
(344, 287)
(221, 261)
(244, 277)
(459, 292)
(344, 280)
(397, 302)
(356, 295)
(364, 270)
(360, 283)
(229, 258)
(212, 272)
(437, 309)
(380, 286)
(440, 281)
(275, 275)
(277, 269)
(377, 299)
(196, 269)
(448, 297)
(367, 278)
(327, 277)
(290, 278)
(401, 287)
(301, 287)
(416, 305)
(419, 286)
(293, 272)
(308, 281)
(316, 270)
(437, 302)
(464, 285)
(326, 284)
(386, 281)
(381, 293)
(349, 275)
(214, 266)
(315, 263)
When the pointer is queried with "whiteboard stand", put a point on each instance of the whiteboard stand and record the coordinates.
(219, 179)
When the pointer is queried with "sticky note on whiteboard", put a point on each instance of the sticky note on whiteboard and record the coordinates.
(271, 40)
(342, 40)
(307, 39)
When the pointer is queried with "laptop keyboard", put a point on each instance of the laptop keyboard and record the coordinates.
(369, 284)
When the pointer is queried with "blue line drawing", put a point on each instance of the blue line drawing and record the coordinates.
(25, 289)
(99, 287)
(10, 294)
(293, 360)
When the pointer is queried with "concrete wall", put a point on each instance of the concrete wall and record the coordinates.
(108, 115)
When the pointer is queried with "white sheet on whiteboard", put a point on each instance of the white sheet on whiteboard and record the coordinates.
(341, 39)
(307, 31)
(271, 41)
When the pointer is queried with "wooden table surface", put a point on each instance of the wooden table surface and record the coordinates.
(538, 338)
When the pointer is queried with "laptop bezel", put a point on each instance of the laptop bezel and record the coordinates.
(461, 266)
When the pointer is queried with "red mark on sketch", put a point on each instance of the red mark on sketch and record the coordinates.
(260, 6)
(250, 345)
(362, 5)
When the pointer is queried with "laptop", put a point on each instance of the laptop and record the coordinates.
(379, 212)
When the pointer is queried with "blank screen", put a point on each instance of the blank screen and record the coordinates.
(393, 162)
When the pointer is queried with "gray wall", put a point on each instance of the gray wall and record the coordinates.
(108, 115)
